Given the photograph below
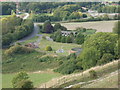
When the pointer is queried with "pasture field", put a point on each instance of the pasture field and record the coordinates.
(100, 26)
(37, 78)
(34, 39)
(56, 46)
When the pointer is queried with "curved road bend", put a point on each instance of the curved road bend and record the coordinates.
(33, 34)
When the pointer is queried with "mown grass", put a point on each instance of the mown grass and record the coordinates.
(56, 46)
(37, 78)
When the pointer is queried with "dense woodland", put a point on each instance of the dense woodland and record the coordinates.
(7, 8)
(14, 28)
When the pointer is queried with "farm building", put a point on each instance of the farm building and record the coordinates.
(67, 33)
(60, 51)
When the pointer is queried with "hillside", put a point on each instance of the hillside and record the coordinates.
(75, 78)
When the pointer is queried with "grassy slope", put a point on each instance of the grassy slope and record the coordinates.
(37, 78)
(84, 76)
(111, 81)
(26, 62)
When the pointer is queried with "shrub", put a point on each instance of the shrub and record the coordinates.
(48, 48)
(25, 84)
(21, 80)
(93, 74)
(46, 58)
(67, 67)
(44, 37)
(63, 39)
(107, 57)
(69, 39)
(95, 47)
(60, 62)
(58, 39)
(47, 27)
(80, 38)
(40, 26)
(18, 49)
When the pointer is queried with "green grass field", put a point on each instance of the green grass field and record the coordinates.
(34, 39)
(37, 78)
(55, 46)
(27, 62)
(2, 16)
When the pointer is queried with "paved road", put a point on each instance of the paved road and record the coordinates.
(33, 34)
(26, 15)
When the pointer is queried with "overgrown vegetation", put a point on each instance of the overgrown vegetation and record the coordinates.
(14, 28)
(7, 8)
(21, 80)
(18, 49)
(98, 49)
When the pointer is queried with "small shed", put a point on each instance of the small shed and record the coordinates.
(60, 51)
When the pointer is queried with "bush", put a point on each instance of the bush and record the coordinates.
(95, 47)
(58, 39)
(67, 67)
(44, 37)
(47, 27)
(107, 57)
(80, 38)
(46, 58)
(63, 39)
(48, 48)
(25, 84)
(21, 80)
(18, 49)
(93, 74)
(60, 62)
(69, 39)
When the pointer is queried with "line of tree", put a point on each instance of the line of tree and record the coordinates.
(14, 28)
(78, 38)
(7, 8)
(98, 49)
(47, 27)
(48, 7)
(109, 9)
